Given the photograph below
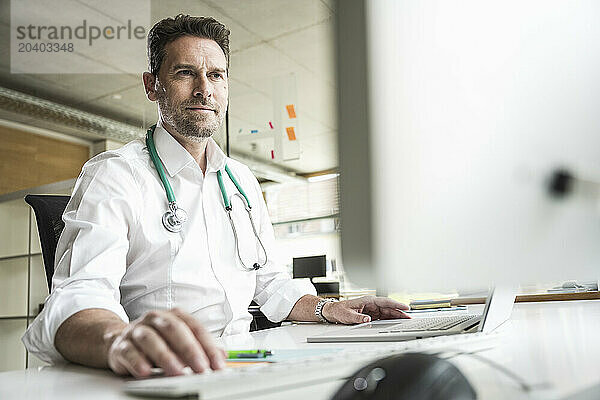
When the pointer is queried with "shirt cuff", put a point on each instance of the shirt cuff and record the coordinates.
(279, 305)
(63, 303)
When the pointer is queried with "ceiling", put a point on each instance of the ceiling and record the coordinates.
(271, 41)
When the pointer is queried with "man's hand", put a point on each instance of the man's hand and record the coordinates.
(364, 309)
(170, 340)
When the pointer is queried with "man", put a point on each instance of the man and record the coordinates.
(129, 294)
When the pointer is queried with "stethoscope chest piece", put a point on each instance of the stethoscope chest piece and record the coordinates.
(174, 218)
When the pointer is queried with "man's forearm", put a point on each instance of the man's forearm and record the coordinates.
(304, 309)
(86, 336)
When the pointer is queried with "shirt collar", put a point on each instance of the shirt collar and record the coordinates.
(175, 157)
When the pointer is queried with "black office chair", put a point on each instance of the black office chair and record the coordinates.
(259, 320)
(48, 214)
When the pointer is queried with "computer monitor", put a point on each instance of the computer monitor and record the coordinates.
(309, 267)
(469, 142)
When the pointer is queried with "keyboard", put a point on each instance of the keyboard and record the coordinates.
(257, 379)
(430, 324)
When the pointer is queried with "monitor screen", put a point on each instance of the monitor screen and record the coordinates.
(309, 267)
(469, 151)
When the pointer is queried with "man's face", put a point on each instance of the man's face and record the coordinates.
(191, 87)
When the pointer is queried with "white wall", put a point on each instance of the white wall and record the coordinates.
(313, 245)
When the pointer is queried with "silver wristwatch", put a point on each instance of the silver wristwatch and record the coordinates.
(319, 309)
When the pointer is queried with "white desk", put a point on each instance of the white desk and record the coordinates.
(555, 344)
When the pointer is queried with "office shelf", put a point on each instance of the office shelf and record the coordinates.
(19, 256)
(22, 279)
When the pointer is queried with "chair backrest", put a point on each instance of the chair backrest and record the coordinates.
(48, 214)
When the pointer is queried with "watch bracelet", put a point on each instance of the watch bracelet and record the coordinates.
(319, 309)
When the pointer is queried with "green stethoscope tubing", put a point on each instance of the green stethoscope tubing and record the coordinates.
(237, 185)
(173, 222)
(158, 165)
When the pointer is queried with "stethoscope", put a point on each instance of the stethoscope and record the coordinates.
(175, 216)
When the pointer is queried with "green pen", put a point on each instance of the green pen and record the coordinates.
(235, 354)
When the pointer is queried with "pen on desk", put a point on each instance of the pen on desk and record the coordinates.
(234, 354)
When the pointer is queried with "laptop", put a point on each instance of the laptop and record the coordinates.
(497, 310)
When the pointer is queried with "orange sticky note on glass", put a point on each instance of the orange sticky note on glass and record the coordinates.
(291, 111)
(291, 133)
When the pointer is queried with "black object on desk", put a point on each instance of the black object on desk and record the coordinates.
(309, 267)
(315, 267)
(409, 376)
(327, 288)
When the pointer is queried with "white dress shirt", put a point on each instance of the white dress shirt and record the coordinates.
(115, 254)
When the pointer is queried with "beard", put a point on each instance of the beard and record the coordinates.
(188, 123)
